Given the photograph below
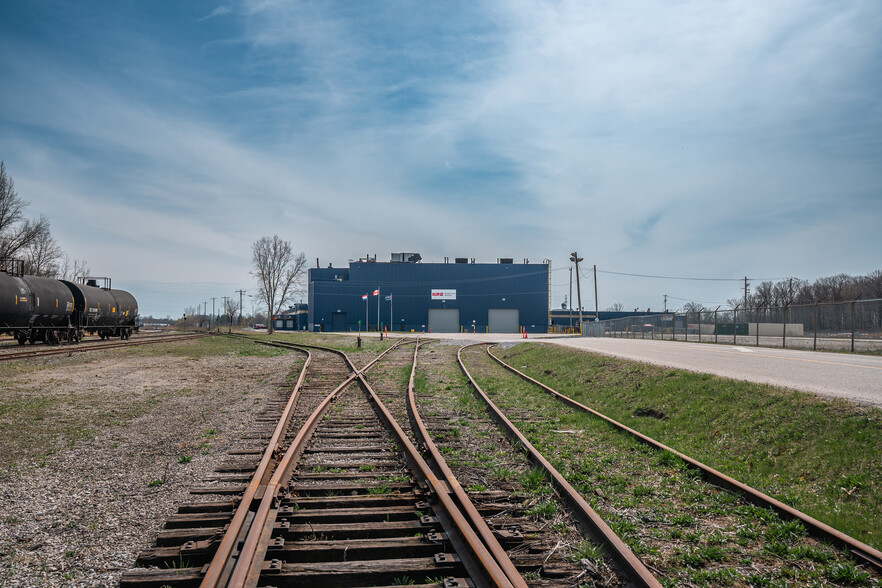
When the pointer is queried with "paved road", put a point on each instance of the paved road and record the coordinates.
(855, 377)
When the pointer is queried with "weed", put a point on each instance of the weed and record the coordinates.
(545, 509)
(847, 573)
(185, 459)
(155, 483)
(786, 531)
(587, 550)
(533, 480)
(667, 459)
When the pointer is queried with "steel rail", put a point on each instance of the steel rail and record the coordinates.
(92, 346)
(248, 568)
(248, 565)
(815, 527)
(487, 560)
(629, 563)
(221, 559)
(465, 502)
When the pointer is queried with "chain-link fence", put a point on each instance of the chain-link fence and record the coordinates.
(843, 326)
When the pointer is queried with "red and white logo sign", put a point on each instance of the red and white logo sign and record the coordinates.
(443, 294)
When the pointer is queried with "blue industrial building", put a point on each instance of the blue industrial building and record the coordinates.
(500, 297)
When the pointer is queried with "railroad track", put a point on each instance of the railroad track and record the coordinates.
(343, 498)
(863, 553)
(82, 347)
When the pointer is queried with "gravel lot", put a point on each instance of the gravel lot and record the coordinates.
(79, 516)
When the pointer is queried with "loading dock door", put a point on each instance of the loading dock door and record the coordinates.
(444, 320)
(338, 321)
(503, 320)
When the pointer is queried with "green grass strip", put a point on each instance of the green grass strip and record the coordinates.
(821, 456)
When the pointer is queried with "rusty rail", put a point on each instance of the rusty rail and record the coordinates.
(629, 563)
(219, 568)
(93, 346)
(815, 527)
(250, 560)
(465, 503)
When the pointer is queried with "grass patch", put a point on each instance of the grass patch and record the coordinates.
(823, 457)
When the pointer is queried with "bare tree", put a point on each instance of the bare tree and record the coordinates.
(278, 271)
(231, 307)
(693, 307)
(43, 255)
(70, 269)
(16, 232)
(617, 307)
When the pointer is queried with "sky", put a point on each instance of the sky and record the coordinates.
(712, 140)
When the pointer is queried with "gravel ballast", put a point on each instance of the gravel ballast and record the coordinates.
(80, 516)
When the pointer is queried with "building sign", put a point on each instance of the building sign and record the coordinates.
(443, 294)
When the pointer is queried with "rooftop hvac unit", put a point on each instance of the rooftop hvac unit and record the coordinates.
(462, 260)
(505, 260)
(406, 257)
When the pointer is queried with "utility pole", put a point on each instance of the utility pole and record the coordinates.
(226, 305)
(240, 303)
(745, 291)
(574, 257)
(595, 291)
(212, 312)
(205, 308)
(666, 304)
(570, 299)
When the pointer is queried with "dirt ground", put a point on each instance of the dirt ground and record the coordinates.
(118, 441)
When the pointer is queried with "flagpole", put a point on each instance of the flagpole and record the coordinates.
(390, 312)
(378, 307)
(367, 324)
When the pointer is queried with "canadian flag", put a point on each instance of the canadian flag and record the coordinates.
(377, 292)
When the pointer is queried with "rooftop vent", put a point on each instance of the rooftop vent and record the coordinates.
(505, 260)
(461, 260)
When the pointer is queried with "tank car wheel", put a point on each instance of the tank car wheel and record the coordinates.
(21, 338)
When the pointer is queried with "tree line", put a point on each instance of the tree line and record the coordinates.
(793, 291)
(30, 239)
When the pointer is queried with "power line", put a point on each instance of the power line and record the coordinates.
(684, 278)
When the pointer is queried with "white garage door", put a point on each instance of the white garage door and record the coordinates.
(503, 320)
(444, 320)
